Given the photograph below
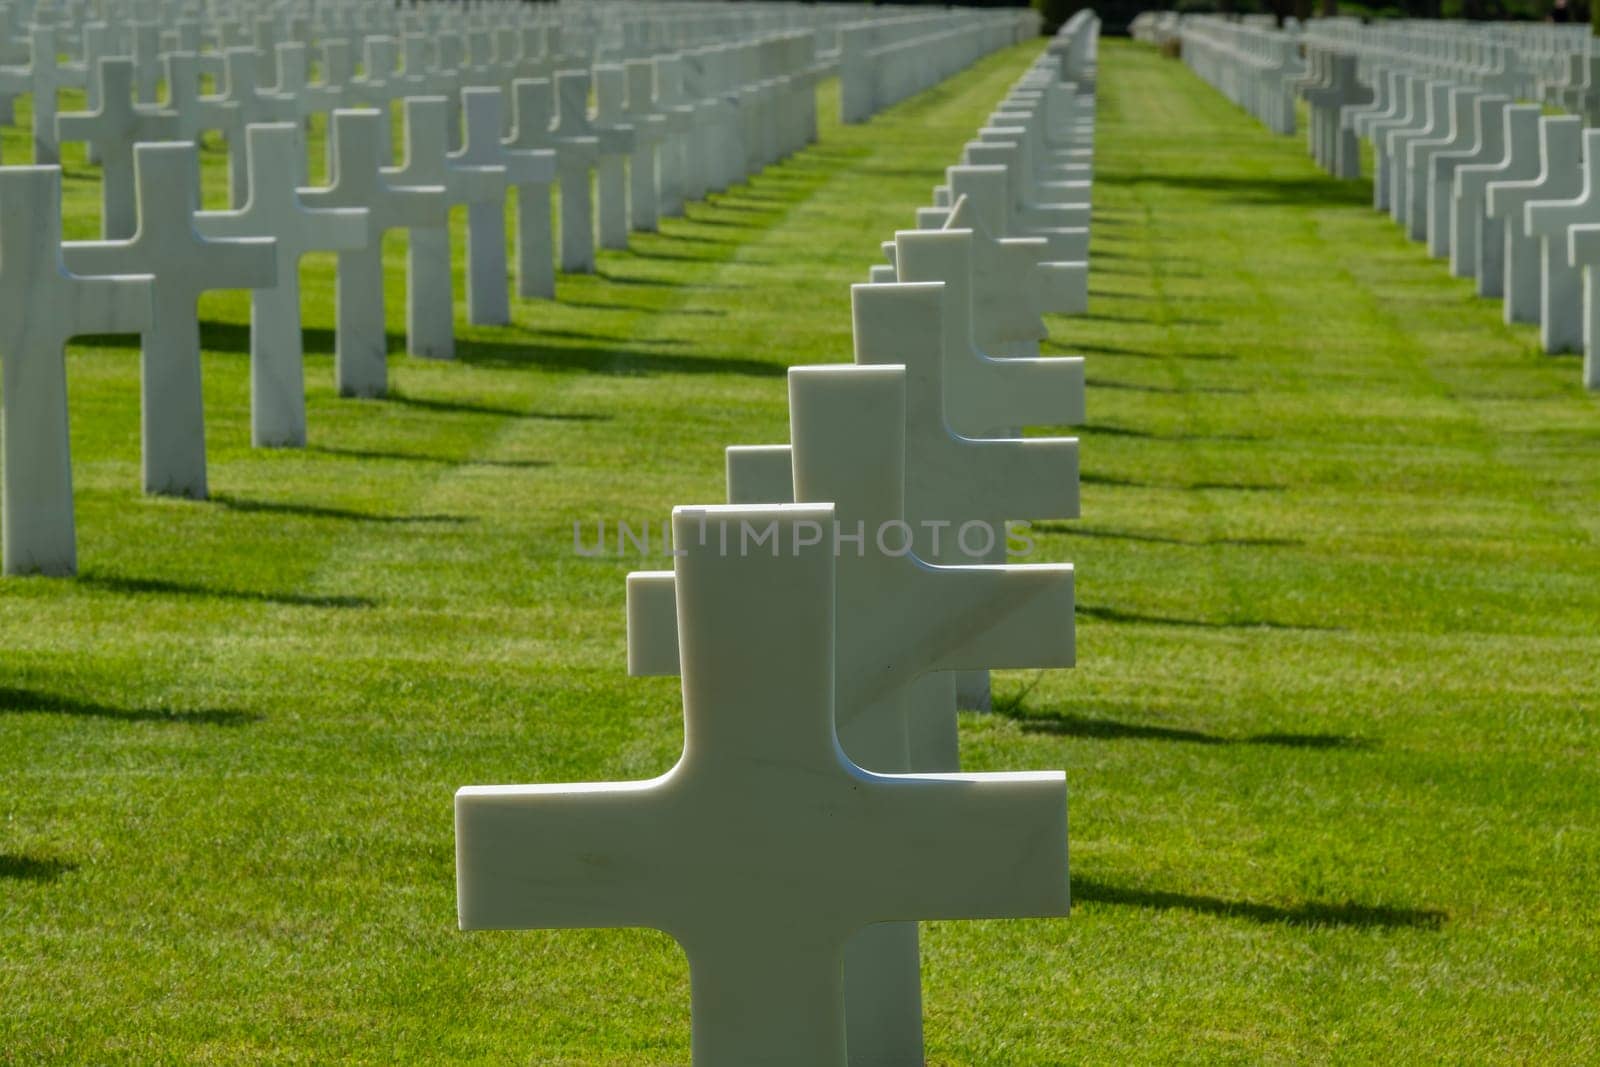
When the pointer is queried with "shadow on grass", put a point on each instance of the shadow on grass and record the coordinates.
(1140, 320)
(320, 511)
(23, 701)
(24, 868)
(116, 583)
(473, 407)
(1111, 430)
(1311, 914)
(1134, 618)
(1295, 191)
(1068, 529)
(1165, 390)
(417, 457)
(1090, 478)
(601, 360)
(1061, 723)
(656, 283)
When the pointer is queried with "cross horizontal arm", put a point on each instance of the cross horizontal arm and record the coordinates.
(994, 617)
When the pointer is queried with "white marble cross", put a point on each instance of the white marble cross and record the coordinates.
(764, 850)
(1496, 118)
(113, 128)
(650, 129)
(41, 306)
(275, 155)
(358, 180)
(1559, 177)
(577, 151)
(1428, 217)
(252, 105)
(899, 620)
(488, 285)
(181, 265)
(616, 144)
(960, 489)
(530, 135)
(1519, 161)
(681, 173)
(1056, 284)
(1446, 227)
(1547, 221)
(42, 77)
(430, 301)
(985, 396)
(1583, 247)
(1064, 226)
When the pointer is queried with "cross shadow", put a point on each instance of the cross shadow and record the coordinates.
(601, 305)
(1294, 190)
(319, 511)
(609, 360)
(472, 407)
(1062, 723)
(21, 867)
(1068, 529)
(417, 457)
(164, 587)
(1164, 390)
(23, 701)
(1115, 481)
(1133, 618)
(656, 283)
(1350, 914)
(1110, 430)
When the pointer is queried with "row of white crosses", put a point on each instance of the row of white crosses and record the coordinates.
(432, 48)
(1019, 204)
(1510, 196)
(818, 811)
(155, 230)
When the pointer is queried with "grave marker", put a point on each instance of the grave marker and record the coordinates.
(275, 154)
(42, 305)
(898, 620)
(181, 265)
(113, 128)
(358, 180)
(765, 850)
(484, 161)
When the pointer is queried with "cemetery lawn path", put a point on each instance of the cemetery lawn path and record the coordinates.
(1332, 745)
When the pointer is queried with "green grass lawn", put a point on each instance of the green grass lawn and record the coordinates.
(1332, 745)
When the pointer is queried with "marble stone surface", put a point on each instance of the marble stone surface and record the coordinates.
(616, 138)
(765, 851)
(112, 129)
(430, 327)
(358, 179)
(1427, 217)
(488, 282)
(532, 104)
(42, 304)
(1547, 221)
(1422, 123)
(899, 619)
(578, 153)
(1053, 283)
(275, 155)
(1583, 248)
(1478, 234)
(1558, 178)
(181, 265)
